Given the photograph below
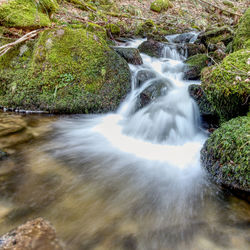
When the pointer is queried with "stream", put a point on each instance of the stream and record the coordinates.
(130, 179)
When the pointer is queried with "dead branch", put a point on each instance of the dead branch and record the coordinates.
(220, 8)
(5, 48)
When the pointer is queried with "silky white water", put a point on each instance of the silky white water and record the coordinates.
(129, 179)
(159, 142)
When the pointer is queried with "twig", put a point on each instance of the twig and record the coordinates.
(220, 8)
(5, 48)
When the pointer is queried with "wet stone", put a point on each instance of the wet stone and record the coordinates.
(131, 55)
(151, 48)
(37, 234)
(143, 76)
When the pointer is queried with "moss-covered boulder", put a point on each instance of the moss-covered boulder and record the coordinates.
(227, 85)
(195, 64)
(225, 155)
(160, 5)
(69, 71)
(242, 36)
(131, 55)
(27, 13)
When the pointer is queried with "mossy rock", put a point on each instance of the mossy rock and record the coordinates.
(227, 85)
(113, 29)
(225, 155)
(213, 36)
(242, 36)
(195, 65)
(27, 13)
(194, 49)
(69, 71)
(145, 28)
(228, 4)
(160, 5)
(97, 29)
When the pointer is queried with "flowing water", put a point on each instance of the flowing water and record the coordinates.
(130, 179)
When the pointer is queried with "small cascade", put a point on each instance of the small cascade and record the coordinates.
(153, 141)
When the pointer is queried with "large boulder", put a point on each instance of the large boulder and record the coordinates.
(225, 155)
(37, 234)
(131, 55)
(67, 71)
(195, 64)
(151, 48)
(227, 85)
(209, 117)
(242, 36)
(27, 13)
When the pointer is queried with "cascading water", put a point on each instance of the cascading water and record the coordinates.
(130, 179)
(151, 151)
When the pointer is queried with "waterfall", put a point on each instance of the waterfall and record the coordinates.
(143, 145)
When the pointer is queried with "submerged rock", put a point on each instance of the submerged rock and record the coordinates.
(156, 89)
(68, 71)
(131, 55)
(227, 86)
(151, 48)
(208, 114)
(37, 234)
(225, 156)
(143, 76)
(13, 131)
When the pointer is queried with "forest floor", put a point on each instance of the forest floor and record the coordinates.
(184, 14)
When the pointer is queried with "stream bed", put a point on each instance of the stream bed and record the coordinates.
(130, 179)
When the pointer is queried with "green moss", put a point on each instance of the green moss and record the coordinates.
(145, 28)
(82, 5)
(97, 29)
(200, 61)
(226, 153)
(228, 4)
(227, 86)
(221, 38)
(70, 71)
(215, 35)
(160, 5)
(48, 6)
(113, 28)
(242, 36)
(26, 13)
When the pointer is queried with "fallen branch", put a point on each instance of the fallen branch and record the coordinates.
(5, 48)
(220, 8)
